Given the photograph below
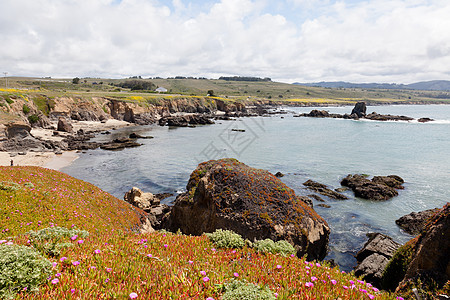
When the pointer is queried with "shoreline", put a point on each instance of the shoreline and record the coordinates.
(49, 159)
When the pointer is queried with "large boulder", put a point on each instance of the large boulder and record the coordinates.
(424, 261)
(64, 125)
(379, 188)
(228, 194)
(359, 109)
(414, 222)
(374, 256)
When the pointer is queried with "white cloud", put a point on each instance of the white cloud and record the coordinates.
(377, 40)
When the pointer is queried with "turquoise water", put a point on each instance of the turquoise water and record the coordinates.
(324, 150)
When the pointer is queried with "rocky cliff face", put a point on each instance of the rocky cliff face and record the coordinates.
(424, 261)
(227, 194)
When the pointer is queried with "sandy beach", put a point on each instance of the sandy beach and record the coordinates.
(49, 159)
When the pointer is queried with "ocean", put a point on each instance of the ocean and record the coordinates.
(324, 150)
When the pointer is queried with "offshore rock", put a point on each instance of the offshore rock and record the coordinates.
(359, 109)
(414, 222)
(228, 194)
(324, 190)
(379, 188)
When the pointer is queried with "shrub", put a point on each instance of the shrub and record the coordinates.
(241, 290)
(21, 267)
(52, 233)
(25, 109)
(281, 247)
(47, 240)
(33, 119)
(396, 268)
(9, 100)
(9, 186)
(226, 239)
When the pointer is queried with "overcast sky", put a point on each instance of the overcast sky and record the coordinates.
(400, 41)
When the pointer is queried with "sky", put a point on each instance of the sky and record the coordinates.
(393, 41)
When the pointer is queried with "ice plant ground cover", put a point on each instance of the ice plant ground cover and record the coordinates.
(114, 261)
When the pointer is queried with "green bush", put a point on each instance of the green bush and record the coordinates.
(240, 290)
(8, 99)
(56, 233)
(47, 240)
(21, 267)
(226, 239)
(281, 247)
(9, 186)
(25, 109)
(33, 119)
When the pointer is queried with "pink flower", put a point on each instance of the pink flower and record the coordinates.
(276, 295)
(352, 282)
(210, 298)
(375, 289)
(345, 287)
(279, 266)
(399, 298)
(292, 255)
(74, 237)
(309, 284)
(165, 246)
(203, 273)
(371, 296)
(149, 255)
(97, 251)
(317, 264)
(58, 275)
(234, 251)
(80, 242)
(72, 291)
(76, 263)
(190, 262)
(133, 296)
(55, 281)
(206, 279)
(236, 274)
(313, 278)
(108, 270)
(333, 281)
(54, 264)
(62, 259)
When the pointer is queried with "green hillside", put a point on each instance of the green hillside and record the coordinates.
(95, 252)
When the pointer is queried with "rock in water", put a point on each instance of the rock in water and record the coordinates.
(379, 188)
(374, 256)
(359, 109)
(230, 195)
(414, 222)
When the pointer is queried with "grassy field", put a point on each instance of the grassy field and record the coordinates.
(232, 90)
(115, 262)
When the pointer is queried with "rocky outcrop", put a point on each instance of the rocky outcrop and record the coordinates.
(374, 257)
(186, 120)
(414, 222)
(359, 109)
(149, 203)
(228, 194)
(17, 129)
(377, 117)
(424, 120)
(119, 144)
(323, 190)
(424, 261)
(379, 188)
(64, 125)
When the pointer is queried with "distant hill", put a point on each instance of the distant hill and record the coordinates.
(434, 85)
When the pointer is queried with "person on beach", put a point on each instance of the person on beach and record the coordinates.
(12, 163)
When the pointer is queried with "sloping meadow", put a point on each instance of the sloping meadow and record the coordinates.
(87, 245)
